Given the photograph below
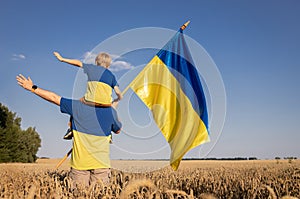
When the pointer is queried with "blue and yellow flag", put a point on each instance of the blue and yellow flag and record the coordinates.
(170, 87)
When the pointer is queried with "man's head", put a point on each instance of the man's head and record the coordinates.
(103, 59)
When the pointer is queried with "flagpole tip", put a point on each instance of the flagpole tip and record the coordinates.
(185, 25)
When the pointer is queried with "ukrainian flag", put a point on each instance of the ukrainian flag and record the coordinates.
(170, 87)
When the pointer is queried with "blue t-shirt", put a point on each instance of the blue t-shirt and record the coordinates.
(92, 128)
(99, 121)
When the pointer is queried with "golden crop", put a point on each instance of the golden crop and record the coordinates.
(194, 179)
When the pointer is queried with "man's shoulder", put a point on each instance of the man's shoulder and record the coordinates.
(66, 105)
(64, 101)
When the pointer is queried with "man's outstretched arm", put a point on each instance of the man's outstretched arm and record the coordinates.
(27, 84)
(74, 62)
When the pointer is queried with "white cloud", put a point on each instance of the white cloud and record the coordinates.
(21, 56)
(89, 58)
(120, 65)
(117, 63)
(18, 57)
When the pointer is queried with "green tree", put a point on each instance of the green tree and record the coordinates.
(16, 145)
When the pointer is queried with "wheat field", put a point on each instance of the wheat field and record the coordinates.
(194, 179)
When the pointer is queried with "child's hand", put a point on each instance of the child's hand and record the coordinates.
(58, 56)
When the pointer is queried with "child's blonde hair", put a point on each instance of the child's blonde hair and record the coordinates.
(103, 59)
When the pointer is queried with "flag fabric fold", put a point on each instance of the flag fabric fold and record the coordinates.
(170, 87)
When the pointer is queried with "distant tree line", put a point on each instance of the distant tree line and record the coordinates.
(16, 145)
(286, 158)
(239, 158)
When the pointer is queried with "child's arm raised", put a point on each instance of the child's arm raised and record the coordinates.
(74, 62)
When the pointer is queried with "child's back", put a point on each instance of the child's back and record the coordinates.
(100, 83)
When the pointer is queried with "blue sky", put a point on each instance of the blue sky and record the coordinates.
(254, 44)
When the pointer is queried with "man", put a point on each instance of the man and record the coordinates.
(92, 128)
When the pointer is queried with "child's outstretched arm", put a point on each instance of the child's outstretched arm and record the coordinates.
(74, 62)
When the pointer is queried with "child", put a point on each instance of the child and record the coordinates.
(101, 82)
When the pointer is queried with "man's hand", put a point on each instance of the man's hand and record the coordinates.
(24, 82)
(58, 56)
(27, 84)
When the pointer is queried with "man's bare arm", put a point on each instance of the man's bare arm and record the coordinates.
(74, 62)
(27, 84)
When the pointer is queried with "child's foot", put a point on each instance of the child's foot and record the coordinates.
(68, 135)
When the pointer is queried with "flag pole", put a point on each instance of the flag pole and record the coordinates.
(64, 158)
(185, 25)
